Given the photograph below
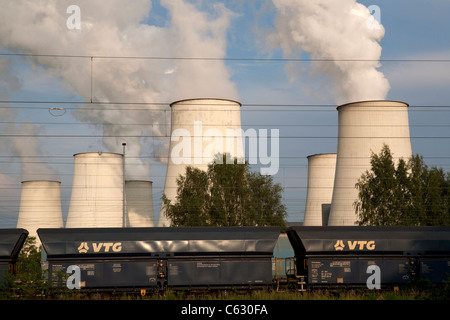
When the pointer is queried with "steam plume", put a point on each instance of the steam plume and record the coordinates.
(18, 140)
(334, 34)
(115, 29)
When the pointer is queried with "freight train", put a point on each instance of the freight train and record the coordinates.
(214, 258)
(369, 256)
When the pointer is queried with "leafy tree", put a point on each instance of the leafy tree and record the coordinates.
(381, 191)
(193, 200)
(430, 188)
(407, 194)
(28, 281)
(225, 195)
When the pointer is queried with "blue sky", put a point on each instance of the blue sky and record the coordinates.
(415, 47)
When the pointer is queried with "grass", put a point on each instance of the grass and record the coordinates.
(260, 294)
(263, 294)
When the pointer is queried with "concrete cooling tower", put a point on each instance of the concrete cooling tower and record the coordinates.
(363, 128)
(40, 206)
(200, 128)
(321, 169)
(139, 203)
(97, 191)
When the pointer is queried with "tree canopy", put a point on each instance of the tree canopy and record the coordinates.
(225, 195)
(409, 193)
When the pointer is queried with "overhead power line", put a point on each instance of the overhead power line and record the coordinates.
(166, 104)
(216, 58)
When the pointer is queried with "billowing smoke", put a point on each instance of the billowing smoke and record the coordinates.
(20, 142)
(125, 78)
(342, 40)
(19, 139)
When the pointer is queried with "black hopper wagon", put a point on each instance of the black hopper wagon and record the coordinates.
(361, 256)
(185, 258)
(11, 242)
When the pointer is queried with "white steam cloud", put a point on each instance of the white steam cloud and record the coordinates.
(115, 34)
(121, 38)
(19, 140)
(342, 39)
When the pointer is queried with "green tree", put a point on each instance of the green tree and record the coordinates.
(430, 188)
(225, 195)
(28, 281)
(193, 198)
(407, 194)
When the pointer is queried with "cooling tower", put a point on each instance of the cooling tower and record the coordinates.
(40, 206)
(321, 169)
(97, 191)
(200, 128)
(363, 128)
(139, 202)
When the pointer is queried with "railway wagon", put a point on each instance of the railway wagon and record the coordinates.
(161, 258)
(355, 256)
(11, 242)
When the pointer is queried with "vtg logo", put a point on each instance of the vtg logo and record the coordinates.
(355, 245)
(100, 247)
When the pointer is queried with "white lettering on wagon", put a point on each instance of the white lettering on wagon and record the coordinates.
(355, 245)
(100, 247)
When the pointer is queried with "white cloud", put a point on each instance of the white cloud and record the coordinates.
(335, 34)
(115, 30)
